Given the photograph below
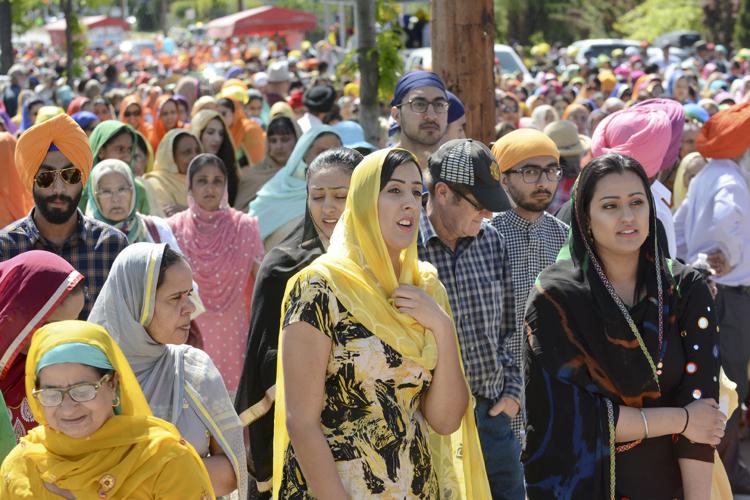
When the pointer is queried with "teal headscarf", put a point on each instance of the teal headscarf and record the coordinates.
(132, 225)
(78, 352)
(283, 198)
(75, 352)
(101, 135)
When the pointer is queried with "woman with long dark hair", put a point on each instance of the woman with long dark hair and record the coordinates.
(623, 355)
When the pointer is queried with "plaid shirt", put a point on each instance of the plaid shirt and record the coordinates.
(532, 246)
(91, 250)
(477, 278)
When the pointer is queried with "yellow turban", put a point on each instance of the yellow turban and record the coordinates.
(60, 131)
(521, 145)
(47, 112)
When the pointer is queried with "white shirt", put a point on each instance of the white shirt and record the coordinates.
(715, 216)
(308, 121)
(663, 200)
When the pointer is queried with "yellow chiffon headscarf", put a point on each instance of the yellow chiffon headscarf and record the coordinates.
(358, 268)
(168, 185)
(127, 453)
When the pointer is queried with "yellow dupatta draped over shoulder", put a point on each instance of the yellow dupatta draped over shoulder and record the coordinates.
(124, 458)
(359, 270)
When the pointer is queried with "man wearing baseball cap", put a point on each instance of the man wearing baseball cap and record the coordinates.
(472, 262)
(420, 107)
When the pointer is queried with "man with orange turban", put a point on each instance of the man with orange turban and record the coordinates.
(530, 164)
(712, 229)
(53, 160)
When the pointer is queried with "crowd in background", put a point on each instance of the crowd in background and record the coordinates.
(206, 267)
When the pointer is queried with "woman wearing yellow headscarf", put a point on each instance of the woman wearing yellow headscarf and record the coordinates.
(96, 438)
(168, 180)
(368, 357)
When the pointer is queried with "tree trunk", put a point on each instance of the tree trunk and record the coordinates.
(6, 34)
(240, 5)
(367, 55)
(67, 8)
(718, 20)
(463, 35)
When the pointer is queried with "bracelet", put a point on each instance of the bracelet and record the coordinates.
(687, 420)
(645, 422)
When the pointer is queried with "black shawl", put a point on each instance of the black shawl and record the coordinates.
(295, 252)
(584, 360)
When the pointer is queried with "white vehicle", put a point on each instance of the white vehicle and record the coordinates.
(507, 58)
(589, 50)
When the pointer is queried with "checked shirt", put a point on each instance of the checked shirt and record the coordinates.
(477, 278)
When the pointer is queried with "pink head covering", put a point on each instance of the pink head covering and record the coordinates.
(643, 133)
(676, 114)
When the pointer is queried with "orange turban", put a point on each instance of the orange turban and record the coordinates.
(522, 144)
(35, 142)
(727, 134)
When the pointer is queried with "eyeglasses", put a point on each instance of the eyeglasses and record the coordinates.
(532, 175)
(504, 108)
(419, 105)
(70, 175)
(118, 193)
(128, 114)
(80, 393)
(474, 204)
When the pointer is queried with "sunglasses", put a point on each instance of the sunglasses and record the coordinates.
(80, 393)
(70, 175)
(128, 114)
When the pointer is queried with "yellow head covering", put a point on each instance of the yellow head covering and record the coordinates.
(358, 268)
(47, 112)
(167, 183)
(521, 144)
(679, 191)
(205, 102)
(35, 142)
(124, 457)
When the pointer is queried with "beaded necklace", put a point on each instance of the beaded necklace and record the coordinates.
(655, 367)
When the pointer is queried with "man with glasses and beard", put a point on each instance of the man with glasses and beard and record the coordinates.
(54, 160)
(529, 160)
(472, 262)
(420, 107)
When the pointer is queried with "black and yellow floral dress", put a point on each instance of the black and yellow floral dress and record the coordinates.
(371, 417)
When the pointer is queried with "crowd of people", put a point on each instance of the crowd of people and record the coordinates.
(218, 288)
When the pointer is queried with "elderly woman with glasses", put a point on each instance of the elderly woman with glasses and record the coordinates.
(97, 437)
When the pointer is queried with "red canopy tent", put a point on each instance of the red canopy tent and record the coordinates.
(98, 28)
(261, 21)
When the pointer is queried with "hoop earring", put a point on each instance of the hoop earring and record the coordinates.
(116, 402)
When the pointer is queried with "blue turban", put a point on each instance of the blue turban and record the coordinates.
(415, 80)
(696, 112)
(456, 109)
(84, 119)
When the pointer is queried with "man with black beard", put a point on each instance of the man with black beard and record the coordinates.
(54, 160)
(529, 161)
(420, 107)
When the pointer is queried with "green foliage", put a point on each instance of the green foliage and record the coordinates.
(206, 9)
(655, 17)
(387, 44)
(742, 25)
